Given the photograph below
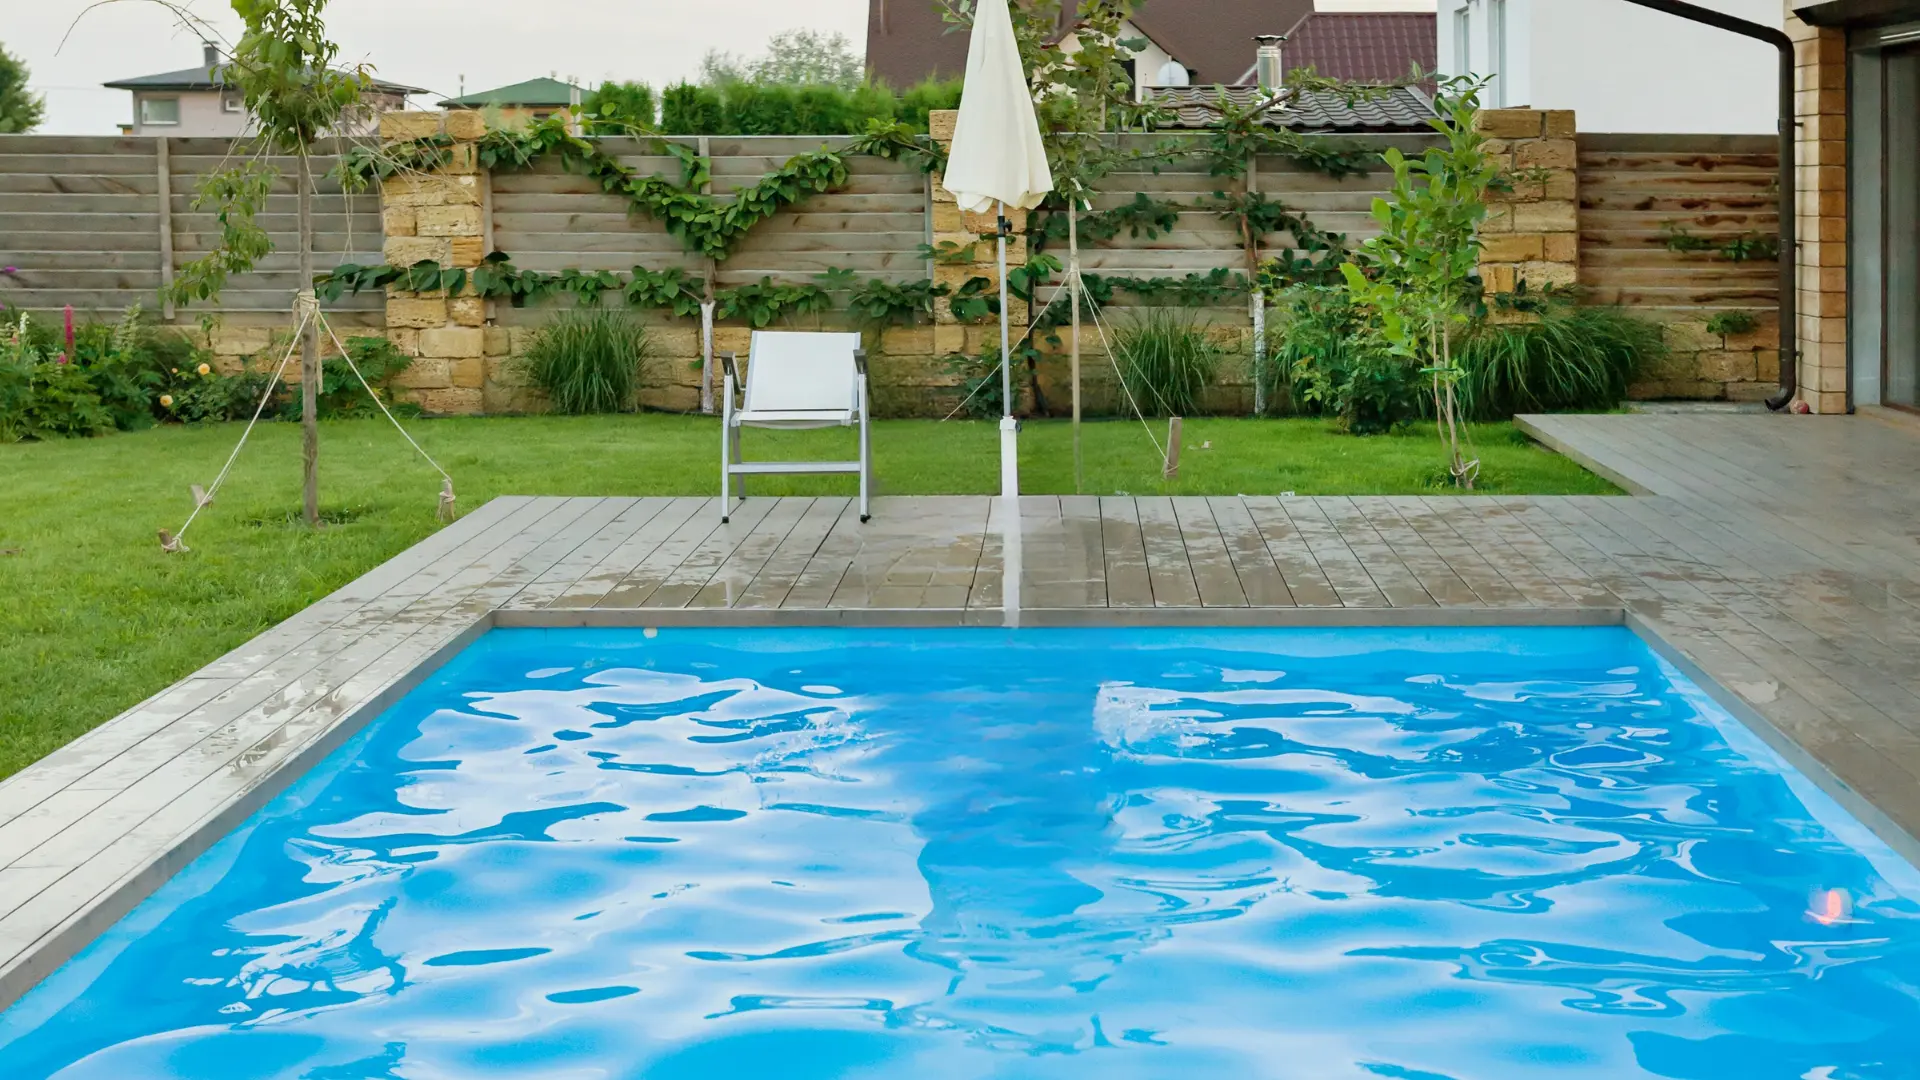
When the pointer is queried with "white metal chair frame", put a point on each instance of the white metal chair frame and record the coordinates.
(734, 468)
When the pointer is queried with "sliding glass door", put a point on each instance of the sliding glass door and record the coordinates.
(1901, 236)
(1884, 264)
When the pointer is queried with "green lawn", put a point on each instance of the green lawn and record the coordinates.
(96, 617)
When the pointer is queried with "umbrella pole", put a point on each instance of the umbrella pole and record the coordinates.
(1009, 437)
(1073, 298)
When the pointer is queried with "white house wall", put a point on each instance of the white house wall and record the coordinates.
(1624, 68)
(201, 117)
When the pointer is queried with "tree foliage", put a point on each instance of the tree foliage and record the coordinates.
(283, 69)
(20, 110)
(793, 58)
(1419, 276)
(620, 108)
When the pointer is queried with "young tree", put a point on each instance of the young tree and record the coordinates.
(793, 58)
(1420, 274)
(283, 68)
(19, 110)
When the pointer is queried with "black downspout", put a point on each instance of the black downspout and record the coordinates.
(1789, 211)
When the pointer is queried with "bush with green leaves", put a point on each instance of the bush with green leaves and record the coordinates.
(1565, 358)
(757, 108)
(1338, 366)
(978, 383)
(590, 360)
(342, 395)
(196, 397)
(619, 108)
(42, 394)
(1166, 360)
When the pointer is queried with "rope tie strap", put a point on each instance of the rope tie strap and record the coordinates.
(176, 543)
(306, 312)
(445, 511)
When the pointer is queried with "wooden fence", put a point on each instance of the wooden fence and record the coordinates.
(100, 223)
(1637, 194)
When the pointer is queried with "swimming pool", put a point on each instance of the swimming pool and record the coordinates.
(1036, 853)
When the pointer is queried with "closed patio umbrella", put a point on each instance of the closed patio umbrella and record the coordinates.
(997, 159)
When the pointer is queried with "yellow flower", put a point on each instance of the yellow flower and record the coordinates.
(176, 371)
(205, 369)
(166, 401)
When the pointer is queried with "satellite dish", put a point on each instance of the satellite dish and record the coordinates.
(1172, 73)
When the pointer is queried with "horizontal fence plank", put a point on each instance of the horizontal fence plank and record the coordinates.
(1637, 190)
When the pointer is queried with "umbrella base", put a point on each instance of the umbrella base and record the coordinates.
(1009, 457)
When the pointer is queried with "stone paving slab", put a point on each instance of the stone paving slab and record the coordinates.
(1777, 558)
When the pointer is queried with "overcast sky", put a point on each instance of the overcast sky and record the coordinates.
(429, 43)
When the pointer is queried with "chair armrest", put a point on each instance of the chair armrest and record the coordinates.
(860, 361)
(726, 365)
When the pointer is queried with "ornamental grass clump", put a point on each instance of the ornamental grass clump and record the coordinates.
(1565, 358)
(1166, 361)
(590, 360)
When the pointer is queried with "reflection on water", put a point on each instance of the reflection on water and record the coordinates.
(1046, 854)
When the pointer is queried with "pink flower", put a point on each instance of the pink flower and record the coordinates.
(9, 269)
(61, 359)
(69, 324)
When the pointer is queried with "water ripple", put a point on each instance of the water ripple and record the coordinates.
(1423, 855)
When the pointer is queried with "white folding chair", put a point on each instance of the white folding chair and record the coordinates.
(795, 380)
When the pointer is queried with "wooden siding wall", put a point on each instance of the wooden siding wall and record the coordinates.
(1715, 187)
(81, 221)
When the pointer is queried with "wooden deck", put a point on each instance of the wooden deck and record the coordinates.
(1778, 556)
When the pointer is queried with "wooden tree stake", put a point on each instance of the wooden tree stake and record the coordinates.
(1172, 468)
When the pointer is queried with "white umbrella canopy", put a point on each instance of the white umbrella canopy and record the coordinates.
(997, 158)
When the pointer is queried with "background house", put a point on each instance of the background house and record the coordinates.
(1190, 42)
(197, 103)
(1619, 66)
(1859, 196)
(523, 102)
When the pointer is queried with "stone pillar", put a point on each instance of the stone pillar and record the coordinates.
(1531, 234)
(439, 216)
(1820, 180)
(953, 225)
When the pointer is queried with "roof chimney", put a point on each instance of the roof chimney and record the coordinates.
(1267, 69)
(210, 53)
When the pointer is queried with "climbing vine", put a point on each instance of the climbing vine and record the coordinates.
(706, 224)
(1740, 247)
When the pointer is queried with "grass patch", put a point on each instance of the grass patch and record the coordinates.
(97, 618)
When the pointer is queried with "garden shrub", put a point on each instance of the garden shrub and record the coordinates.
(43, 394)
(196, 398)
(1337, 366)
(590, 360)
(755, 108)
(341, 394)
(979, 382)
(686, 109)
(619, 108)
(1166, 361)
(1562, 358)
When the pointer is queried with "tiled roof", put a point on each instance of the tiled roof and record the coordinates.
(1399, 109)
(208, 76)
(907, 41)
(1371, 46)
(533, 92)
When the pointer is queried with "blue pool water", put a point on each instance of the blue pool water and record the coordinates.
(1040, 853)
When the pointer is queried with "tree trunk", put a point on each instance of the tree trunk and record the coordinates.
(309, 358)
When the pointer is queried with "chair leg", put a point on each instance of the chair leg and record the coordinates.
(739, 482)
(866, 453)
(727, 444)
